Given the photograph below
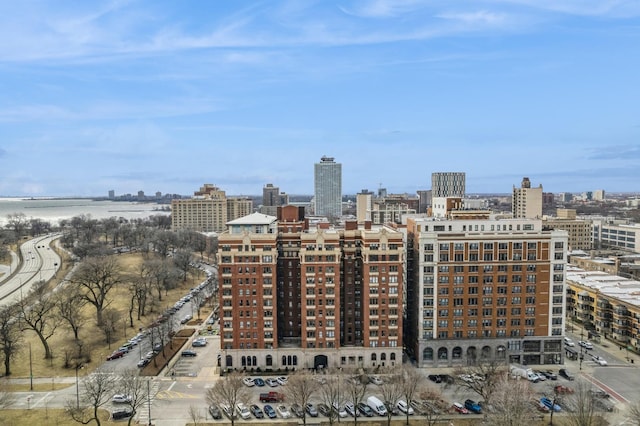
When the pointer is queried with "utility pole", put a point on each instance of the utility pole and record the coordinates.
(30, 368)
(77, 388)
(581, 347)
(149, 399)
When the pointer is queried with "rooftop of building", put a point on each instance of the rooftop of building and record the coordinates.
(253, 219)
(624, 289)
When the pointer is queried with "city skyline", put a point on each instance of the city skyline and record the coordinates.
(163, 96)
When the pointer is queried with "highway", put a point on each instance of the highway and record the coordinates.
(39, 263)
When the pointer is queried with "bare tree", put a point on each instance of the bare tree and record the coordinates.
(434, 403)
(332, 393)
(301, 386)
(194, 414)
(96, 393)
(136, 388)
(355, 389)
(633, 414)
(481, 378)
(10, 335)
(411, 381)
(228, 392)
(391, 391)
(183, 259)
(162, 275)
(37, 313)
(69, 306)
(95, 278)
(109, 326)
(583, 407)
(17, 222)
(511, 403)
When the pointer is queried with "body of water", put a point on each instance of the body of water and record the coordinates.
(55, 209)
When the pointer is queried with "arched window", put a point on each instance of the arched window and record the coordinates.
(295, 360)
(456, 353)
(392, 357)
(486, 352)
(284, 360)
(373, 357)
(269, 361)
(229, 360)
(244, 361)
(289, 360)
(427, 354)
(383, 357)
(443, 353)
(255, 360)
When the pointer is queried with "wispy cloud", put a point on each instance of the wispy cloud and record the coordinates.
(604, 8)
(384, 8)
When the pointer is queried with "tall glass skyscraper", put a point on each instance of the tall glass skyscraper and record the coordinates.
(328, 187)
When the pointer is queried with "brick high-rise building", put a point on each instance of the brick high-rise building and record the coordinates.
(484, 288)
(299, 296)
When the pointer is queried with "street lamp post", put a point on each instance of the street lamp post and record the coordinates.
(77, 388)
(149, 399)
(581, 347)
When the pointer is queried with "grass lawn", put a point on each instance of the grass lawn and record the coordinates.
(48, 417)
(62, 343)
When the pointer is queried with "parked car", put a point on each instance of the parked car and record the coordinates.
(599, 393)
(143, 362)
(188, 353)
(256, 411)
(199, 343)
(549, 404)
(342, 413)
(405, 408)
(229, 412)
(121, 414)
(324, 410)
(115, 355)
(271, 382)
(460, 408)
(365, 409)
(214, 411)
(563, 390)
(564, 373)
(349, 408)
(258, 381)
(568, 342)
(243, 411)
(376, 380)
(435, 378)
(297, 410)
(282, 380)
(550, 375)
(186, 319)
(472, 406)
(270, 412)
(283, 411)
(248, 381)
(311, 410)
(121, 398)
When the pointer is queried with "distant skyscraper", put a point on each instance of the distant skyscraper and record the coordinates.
(112, 194)
(526, 202)
(448, 184)
(328, 188)
(272, 198)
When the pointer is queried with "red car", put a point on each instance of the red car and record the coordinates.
(460, 408)
(115, 355)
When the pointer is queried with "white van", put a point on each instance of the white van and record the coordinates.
(568, 342)
(377, 406)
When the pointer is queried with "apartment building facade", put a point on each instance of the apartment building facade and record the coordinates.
(448, 184)
(209, 210)
(484, 289)
(606, 305)
(526, 201)
(310, 297)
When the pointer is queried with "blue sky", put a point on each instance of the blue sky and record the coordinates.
(167, 95)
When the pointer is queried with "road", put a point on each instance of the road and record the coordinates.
(40, 263)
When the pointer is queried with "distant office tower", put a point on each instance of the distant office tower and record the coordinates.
(328, 188)
(448, 184)
(112, 194)
(490, 289)
(208, 210)
(598, 195)
(272, 198)
(364, 203)
(424, 197)
(527, 202)
(295, 296)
